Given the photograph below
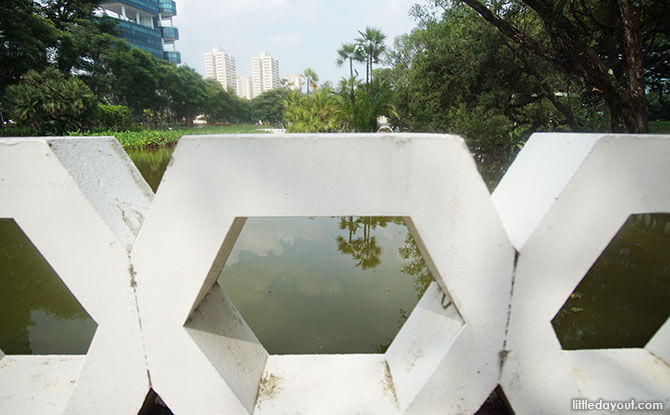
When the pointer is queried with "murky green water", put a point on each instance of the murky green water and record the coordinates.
(325, 285)
(38, 314)
(152, 163)
(329, 285)
(625, 297)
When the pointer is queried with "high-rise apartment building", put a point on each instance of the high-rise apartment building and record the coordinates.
(244, 87)
(146, 24)
(264, 73)
(221, 66)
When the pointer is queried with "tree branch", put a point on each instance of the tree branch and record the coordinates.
(510, 31)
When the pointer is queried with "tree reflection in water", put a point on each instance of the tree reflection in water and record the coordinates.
(367, 255)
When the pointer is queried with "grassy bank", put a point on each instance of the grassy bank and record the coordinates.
(659, 127)
(154, 138)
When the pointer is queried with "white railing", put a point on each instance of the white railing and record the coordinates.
(146, 271)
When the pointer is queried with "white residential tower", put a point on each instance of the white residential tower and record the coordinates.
(244, 87)
(264, 73)
(221, 66)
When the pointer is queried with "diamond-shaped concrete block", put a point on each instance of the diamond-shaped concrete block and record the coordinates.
(562, 201)
(81, 203)
(202, 356)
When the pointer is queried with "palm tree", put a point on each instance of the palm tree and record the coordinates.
(312, 78)
(347, 92)
(350, 51)
(347, 53)
(371, 47)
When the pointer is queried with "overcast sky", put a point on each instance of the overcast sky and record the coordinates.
(299, 33)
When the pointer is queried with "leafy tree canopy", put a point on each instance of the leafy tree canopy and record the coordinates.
(600, 44)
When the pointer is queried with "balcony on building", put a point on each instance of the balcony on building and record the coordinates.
(131, 7)
(169, 34)
(167, 8)
(172, 56)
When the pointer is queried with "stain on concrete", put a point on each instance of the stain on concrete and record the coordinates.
(387, 384)
(268, 388)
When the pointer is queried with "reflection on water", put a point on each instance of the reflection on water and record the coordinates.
(323, 285)
(625, 296)
(38, 314)
(152, 162)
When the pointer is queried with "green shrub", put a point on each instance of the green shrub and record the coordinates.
(15, 131)
(114, 117)
(50, 103)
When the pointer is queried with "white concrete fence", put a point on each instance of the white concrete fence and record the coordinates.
(145, 268)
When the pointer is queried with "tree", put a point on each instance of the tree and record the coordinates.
(51, 103)
(347, 53)
(599, 44)
(136, 79)
(92, 47)
(25, 37)
(368, 107)
(76, 24)
(184, 90)
(268, 106)
(64, 12)
(312, 78)
(347, 92)
(456, 73)
(220, 106)
(324, 112)
(371, 48)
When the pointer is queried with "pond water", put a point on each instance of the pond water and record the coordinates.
(309, 285)
(625, 296)
(38, 314)
(325, 284)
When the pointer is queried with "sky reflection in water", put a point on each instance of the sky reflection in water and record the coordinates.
(322, 285)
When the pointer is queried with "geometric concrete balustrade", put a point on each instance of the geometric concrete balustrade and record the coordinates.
(81, 202)
(203, 357)
(145, 268)
(562, 200)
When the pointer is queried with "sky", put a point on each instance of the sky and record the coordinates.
(299, 33)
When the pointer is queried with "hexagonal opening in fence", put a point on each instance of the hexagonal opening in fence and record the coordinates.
(328, 295)
(325, 285)
(625, 296)
(38, 313)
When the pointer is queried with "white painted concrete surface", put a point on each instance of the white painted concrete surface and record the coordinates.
(430, 179)
(327, 384)
(231, 347)
(413, 355)
(561, 203)
(100, 167)
(38, 384)
(659, 345)
(56, 212)
(594, 370)
(536, 179)
(618, 176)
